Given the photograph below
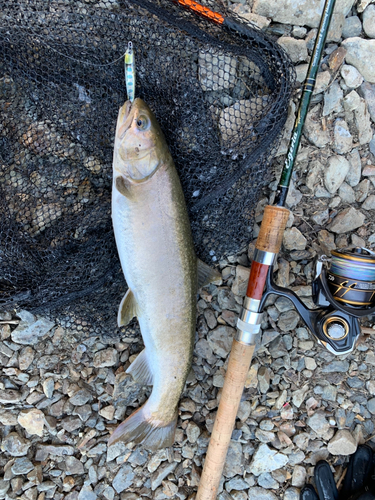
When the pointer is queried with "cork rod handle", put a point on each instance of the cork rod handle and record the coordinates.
(238, 367)
(272, 229)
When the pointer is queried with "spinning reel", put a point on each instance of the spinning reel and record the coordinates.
(343, 291)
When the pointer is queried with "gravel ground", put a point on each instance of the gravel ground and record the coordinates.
(60, 396)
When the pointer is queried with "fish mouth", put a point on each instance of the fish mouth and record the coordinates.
(124, 119)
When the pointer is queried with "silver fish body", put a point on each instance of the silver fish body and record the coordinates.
(155, 247)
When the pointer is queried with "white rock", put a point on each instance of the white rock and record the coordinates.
(369, 21)
(294, 240)
(296, 49)
(298, 12)
(342, 443)
(351, 101)
(32, 420)
(299, 476)
(335, 174)
(266, 460)
(351, 76)
(343, 139)
(361, 54)
(323, 79)
(363, 121)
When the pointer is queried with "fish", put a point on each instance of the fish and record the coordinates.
(156, 251)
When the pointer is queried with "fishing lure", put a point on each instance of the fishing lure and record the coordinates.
(130, 72)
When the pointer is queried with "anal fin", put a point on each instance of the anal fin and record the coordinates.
(206, 274)
(140, 369)
(127, 309)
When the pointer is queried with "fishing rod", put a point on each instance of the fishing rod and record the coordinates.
(248, 326)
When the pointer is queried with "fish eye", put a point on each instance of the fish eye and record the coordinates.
(142, 122)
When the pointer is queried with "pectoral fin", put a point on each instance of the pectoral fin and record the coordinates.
(206, 274)
(127, 310)
(123, 187)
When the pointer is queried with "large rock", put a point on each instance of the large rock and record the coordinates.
(267, 460)
(343, 139)
(31, 333)
(368, 92)
(233, 462)
(220, 340)
(257, 493)
(347, 220)
(296, 49)
(15, 445)
(124, 478)
(299, 12)
(351, 76)
(369, 21)
(335, 174)
(32, 420)
(313, 128)
(361, 54)
(342, 443)
(363, 122)
(294, 240)
(319, 424)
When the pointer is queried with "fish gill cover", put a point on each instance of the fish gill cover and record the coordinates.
(220, 97)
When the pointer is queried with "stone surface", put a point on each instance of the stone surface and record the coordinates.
(343, 140)
(32, 420)
(369, 21)
(257, 493)
(354, 174)
(347, 220)
(313, 129)
(334, 176)
(30, 333)
(293, 239)
(368, 92)
(319, 424)
(299, 476)
(342, 443)
(124, 478)
(240, 282)
(15, 445)
(296, 49)
(220, 340)
(302, 13)
(351, 76)
(361, 54)
(266, 460)
(333, 99)
(106, 357)
(352, 27)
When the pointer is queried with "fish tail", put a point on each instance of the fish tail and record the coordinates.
(146, 431)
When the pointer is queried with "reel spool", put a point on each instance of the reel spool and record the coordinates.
(351, 277)
(343, 291)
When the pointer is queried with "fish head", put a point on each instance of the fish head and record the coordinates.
(140, 144)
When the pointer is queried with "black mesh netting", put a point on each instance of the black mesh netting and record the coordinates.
(220, 97)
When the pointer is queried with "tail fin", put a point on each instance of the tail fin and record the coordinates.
(149, 433)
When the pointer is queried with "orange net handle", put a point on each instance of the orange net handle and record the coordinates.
(203, 11)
